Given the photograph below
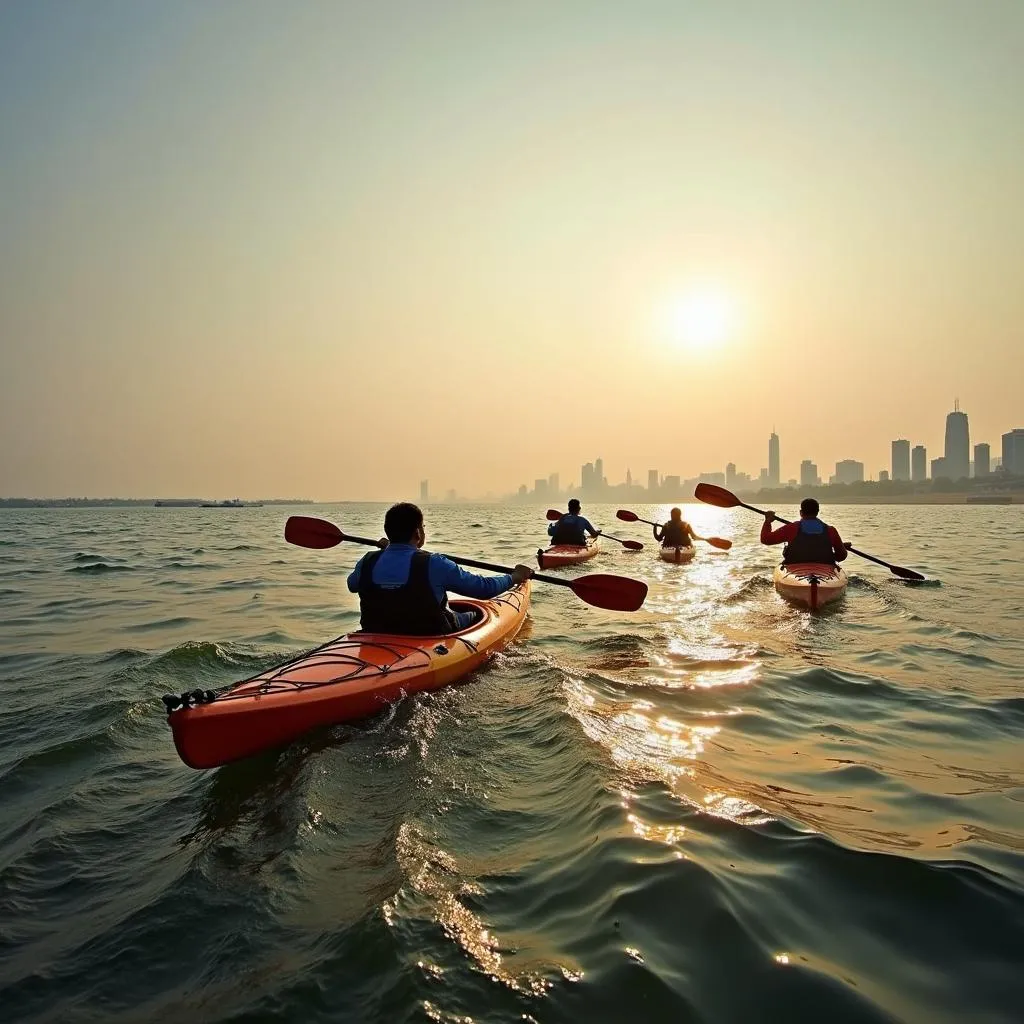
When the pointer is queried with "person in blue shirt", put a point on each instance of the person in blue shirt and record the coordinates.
(403, 590)
(572, 528)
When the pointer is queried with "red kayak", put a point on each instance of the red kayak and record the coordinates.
(351, 677)
(559, 555)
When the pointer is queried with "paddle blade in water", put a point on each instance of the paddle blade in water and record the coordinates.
(308, 532)
(906, 574)
(554, 515)
(626, 516)
(720, 542)
(633, 545)
(716, 496)
(616, 593)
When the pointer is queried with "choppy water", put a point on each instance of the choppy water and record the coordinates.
(718, 809)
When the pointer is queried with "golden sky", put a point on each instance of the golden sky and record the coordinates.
(327, 249)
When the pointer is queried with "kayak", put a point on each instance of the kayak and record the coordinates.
(811, 583)
(566, 554)
(678, 555)
(351, 677)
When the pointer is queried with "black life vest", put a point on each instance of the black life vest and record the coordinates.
(675, 535)
(568, 531)
(411, 609)
(810, 547)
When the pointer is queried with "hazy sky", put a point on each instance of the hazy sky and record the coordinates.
(327, 249)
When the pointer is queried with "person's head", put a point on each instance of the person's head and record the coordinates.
(677, 514)
(574, 507)
(403, 524)
(808, 508)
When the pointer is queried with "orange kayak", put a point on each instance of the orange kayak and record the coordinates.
(566, 554)
(669, 554)
(811, 583)
(351, 677)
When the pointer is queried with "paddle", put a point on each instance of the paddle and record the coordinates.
(631, 517)
(617, 593)
(719, 496)
(634, 545)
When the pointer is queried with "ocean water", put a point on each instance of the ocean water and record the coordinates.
(720, 808)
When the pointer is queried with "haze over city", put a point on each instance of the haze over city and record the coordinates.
(330, 250)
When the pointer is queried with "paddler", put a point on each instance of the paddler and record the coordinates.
(572, 528)
(676, 533)
(403, 590)
(807, 540)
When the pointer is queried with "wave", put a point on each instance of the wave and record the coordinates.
(101, 567)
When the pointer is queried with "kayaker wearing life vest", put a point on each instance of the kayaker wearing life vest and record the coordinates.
(572, 528)
(676, 533)
(403, 590)
(807, 540)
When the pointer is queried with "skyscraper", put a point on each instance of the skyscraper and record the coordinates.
(901, 460)
(587, 478)
(730, 475)
(957, 463)
(652, 480)
(919, 463)
(1013, 452)
(599, 473)
(808, 474)
(982, 452)
(773, 460)
(849, 471)
(424, 491)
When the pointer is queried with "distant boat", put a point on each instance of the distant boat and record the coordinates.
(234, 503)
(989, 499)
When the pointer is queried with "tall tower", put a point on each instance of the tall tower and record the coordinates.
(774, 476)
(919, 463)
(599, 473)
(901, 460)
(424, 492)
(982, 460)
(958, 445)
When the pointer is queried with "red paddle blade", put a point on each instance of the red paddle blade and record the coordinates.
(720, 542)
(616, 593)
(626, 516)
(554, 514)
(716, 496)
(307, 532)
(907, 574)
(633, 545)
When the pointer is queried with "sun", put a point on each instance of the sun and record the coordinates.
(703, 320)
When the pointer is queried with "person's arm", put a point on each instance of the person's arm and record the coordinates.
(589, 528)
(784, 533)
(353, 576)
(658, 534)
(838, 547)
(551, 528)
(693, 536)
(470, 584)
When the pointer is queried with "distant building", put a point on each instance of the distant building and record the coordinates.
(652, 480)
(553, 485)
(713, 478)
(849, 471)
(522, 491)
(629, 478)
(958, 445)
(540, 487)
(809, 474)
(763, 478)
(587, 478)
(883, 476)
(774, 475)
(939, 469)
(451, 495)
(982, 460)
(424, 491)
(919, 463)
(901, 460)
(730, 475)
(671, 487)
(599, 480)
(1013, 452)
